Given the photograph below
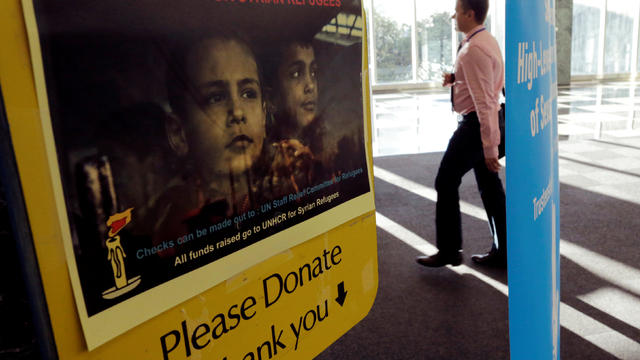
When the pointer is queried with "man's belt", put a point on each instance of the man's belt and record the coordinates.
(470, 118)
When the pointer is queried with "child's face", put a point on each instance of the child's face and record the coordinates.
(298, 83)
(225, 117)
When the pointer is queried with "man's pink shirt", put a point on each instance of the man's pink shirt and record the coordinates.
(479, 80)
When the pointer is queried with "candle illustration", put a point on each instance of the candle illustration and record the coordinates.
(116, 256)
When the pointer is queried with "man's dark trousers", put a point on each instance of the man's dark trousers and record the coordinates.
(464, 153)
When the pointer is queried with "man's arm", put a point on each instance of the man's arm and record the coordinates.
(479, 74)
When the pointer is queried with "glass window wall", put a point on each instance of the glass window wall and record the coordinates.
(433, 23)
(618, 30)
(638, 55)
(392, 28)
(585, 36)
(414, 41)
(604, 37)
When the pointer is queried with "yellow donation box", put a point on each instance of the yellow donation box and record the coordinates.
(197, 175)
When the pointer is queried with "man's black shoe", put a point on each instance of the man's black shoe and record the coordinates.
(492, 258)
(440, 259)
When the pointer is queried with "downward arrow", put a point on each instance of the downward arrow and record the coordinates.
(342, 295)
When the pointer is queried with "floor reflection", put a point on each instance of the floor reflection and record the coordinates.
(422, 121)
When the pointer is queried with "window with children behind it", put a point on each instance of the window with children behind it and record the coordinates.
(220, 127)
(245, 138)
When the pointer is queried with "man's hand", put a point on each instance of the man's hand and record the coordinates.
(447, 79)
(493, 164)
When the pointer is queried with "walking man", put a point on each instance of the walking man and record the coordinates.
(476, 84)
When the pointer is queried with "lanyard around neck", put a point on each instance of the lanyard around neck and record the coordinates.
(469, 38)
(474, 34)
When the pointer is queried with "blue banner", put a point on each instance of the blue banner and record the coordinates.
(532, 179)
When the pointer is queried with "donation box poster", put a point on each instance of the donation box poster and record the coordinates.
(191, 140)
(532, 179)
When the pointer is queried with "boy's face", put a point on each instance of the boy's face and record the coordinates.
(298, 83)
(225, 117)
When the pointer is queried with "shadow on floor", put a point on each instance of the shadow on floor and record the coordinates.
(424, 313)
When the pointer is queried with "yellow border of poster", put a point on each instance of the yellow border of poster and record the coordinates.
(356, 266)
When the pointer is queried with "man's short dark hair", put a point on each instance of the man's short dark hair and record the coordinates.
(479, 7)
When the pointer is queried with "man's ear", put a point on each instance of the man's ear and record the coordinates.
(471, 14)
(175, 134)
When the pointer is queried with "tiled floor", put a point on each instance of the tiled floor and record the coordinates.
(422, 121)
(599, 111)
(607, 167)
(415, 122)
